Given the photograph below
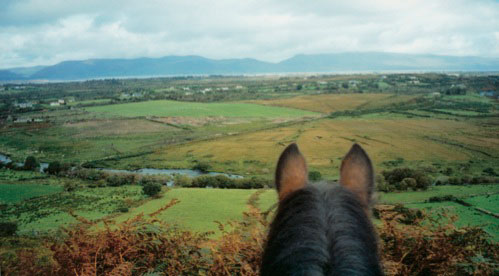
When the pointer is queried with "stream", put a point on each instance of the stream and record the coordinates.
(145, 171)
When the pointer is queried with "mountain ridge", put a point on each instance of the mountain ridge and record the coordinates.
(198, 65)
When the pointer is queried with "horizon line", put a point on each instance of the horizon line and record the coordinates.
(242, 58)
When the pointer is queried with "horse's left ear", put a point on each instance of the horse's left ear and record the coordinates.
(291, 173)
(356, 174)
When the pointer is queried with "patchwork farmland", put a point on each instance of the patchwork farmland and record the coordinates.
(213, 154)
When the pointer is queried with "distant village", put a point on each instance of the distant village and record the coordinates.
(20, 100)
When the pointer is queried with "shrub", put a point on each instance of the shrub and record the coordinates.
(122, 210)
(490, 171)
(101, 183)
(7, 228)
(154, 179)
(203, 181)
(222, 181)
(466, 179)
(410, 183)
(11, 165)
(182, 180)
(448, 171)
(396, 176)
(260, 183)
(89, 174)
(423, 181)
(69, 186)
(442, 198)
(202, 167)
(118, 179)
(385, 187)
(314, 176)
(245, 183)
(151, 189)
(31, 164)
(54, 167)
(67, 166)
(485, 180)
(454, 181)
(401, 186)
(382, 185)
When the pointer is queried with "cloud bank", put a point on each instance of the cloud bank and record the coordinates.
(34, 32)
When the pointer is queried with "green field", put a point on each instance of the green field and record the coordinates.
(8, 176)
(49, 212)
(198, 208)
(457, 191)
(188, 109)
(487, 202)
(11, 193)
(467, 216)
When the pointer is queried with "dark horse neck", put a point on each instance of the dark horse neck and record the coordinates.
(320, 231)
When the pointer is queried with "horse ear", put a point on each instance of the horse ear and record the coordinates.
(291, 173)
(356, 174)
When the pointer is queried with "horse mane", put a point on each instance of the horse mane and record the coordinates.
(321, 230)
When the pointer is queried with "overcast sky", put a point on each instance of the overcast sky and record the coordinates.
(44, 32)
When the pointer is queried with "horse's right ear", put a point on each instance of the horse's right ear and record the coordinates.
(291, 173)
(356, 174)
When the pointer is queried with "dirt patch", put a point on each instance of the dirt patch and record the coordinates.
(193, 121)
(116, 127)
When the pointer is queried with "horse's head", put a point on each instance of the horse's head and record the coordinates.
(322, 229)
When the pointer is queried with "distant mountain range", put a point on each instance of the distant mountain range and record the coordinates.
(197, 65)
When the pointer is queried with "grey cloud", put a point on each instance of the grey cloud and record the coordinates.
(49, 31)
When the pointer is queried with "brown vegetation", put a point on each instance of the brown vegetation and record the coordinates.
(145, 244)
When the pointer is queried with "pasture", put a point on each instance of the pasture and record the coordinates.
(165, 108)
(219, 205)
(416, 141)
(107, 128)
(466, 216)
(12, 193)
(327, 103)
